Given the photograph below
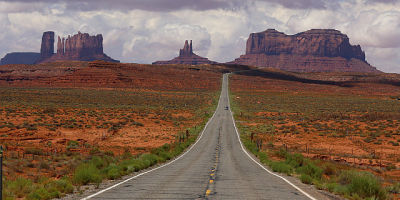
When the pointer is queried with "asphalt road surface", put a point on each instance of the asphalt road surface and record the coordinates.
(216, 167)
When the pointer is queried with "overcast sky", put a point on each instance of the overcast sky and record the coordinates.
(144, 31)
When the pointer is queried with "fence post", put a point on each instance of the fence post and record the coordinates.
(1, 172)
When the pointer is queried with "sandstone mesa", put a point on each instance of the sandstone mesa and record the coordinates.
(81, 46)
(316, 50)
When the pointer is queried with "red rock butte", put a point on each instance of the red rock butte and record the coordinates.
(80, 47)
(187, 57)
(316, 50)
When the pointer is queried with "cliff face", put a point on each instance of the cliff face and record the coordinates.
(81, 47)
(47, 48)
(313, 50)
(187, 57)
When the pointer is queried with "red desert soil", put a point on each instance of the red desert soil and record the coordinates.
(327, 119)
(113, 107)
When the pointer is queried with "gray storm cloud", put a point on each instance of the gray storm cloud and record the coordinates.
(172, 5)
(149, 5)
(219, 28)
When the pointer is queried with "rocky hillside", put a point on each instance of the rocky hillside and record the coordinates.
(81, 46)
(317, 50)
(187, 57)
(26, 58)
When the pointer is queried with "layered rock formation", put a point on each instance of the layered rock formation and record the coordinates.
(26, 58)
(47, 48)
(81, 47)
(317, 50)
(187, 57)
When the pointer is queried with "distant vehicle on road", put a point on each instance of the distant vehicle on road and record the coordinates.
(226, 108)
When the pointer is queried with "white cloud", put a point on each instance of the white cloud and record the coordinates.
(165, 41)
(146, 32)
(387, 59)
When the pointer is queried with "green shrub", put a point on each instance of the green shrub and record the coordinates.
(331, 186)
(282, 153)
(311, 170)
(367, 185)
(336, 188)
(295, 160)
(263, 157)
(149, 159)
(362, 184)
(112, 172)
(163, 148)
(20, 187)
(62, 185)
(306, 179)
(137, 164)
(395, 188)
(252, 147)
(163, 152)
(329, 169)
(40, 194)
(98, 162)
(86, 173)
(281, 167)
(163, 156)
(127, 166)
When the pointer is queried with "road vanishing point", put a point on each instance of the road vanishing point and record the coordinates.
(216, 167)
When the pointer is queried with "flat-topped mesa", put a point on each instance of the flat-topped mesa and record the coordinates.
(26, 58)
(187, 57)
(315, 42)
(313, 50)
(81, 47)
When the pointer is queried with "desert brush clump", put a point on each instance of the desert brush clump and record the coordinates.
(321, 132)
(63, 129)
(351, 184)
(281, 167)
(362, 184)
(324, 175)
(99, 165)
(43, 189)
(86, 173)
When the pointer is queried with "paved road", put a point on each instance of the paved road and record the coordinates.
(215, 168)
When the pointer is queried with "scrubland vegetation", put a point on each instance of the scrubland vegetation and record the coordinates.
(57, 140)
(340, 139)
